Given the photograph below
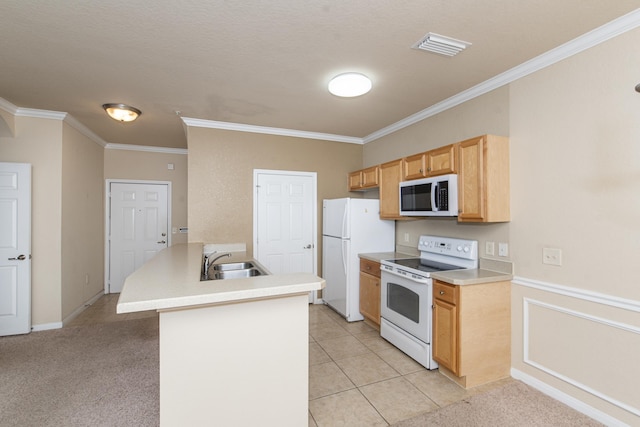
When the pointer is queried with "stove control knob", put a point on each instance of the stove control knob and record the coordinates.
(466, 248)
(460, 248)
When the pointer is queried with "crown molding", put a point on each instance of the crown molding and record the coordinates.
(599, 35)
(74, 123)
(40, 114)
(8, 107)
(146, 148)
(238, 127)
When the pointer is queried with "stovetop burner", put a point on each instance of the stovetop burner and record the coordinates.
(424, 265)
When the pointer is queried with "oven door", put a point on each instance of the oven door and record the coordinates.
(407, 304)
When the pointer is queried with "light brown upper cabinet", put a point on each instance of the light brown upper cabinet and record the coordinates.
(390, 177)
(430, 163)
(364, 179)
(483, 179)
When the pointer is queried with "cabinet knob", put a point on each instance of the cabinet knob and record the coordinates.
(441, 292)
(420, 170)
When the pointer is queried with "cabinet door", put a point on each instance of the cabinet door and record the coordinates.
(471, 199)
(370, 297)
(355, 180)
(441, 161)
(415, 167)
(445, 335)
(370, 177)
(390, 177)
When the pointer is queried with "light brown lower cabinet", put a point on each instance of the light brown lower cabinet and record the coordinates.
(370, 290)
(472, 331)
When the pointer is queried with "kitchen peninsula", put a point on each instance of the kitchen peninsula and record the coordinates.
(233, 351)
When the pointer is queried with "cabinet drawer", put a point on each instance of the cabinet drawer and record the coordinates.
(370, 267)
(445, 292)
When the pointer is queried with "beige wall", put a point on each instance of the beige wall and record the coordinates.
(152, 166)
(575, 169)
(82, 220)
(221, 165)
(39, 142)
(487, 114)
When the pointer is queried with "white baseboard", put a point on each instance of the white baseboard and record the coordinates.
(69, 318)
(46, 326)
(568, 400)
(83, 307)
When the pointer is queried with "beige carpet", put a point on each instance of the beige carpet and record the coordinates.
(107, 375)
(98, 375)
(514, 404)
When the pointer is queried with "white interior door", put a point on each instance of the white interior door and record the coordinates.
(138, 227)
(15, 248)
(285, 221)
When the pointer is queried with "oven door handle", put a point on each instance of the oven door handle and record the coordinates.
(424, 280)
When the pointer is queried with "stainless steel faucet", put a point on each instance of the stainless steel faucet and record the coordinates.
(208, 261)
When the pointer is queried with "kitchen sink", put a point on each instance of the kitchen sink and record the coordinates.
(232, 266)
(233, 270)
(235, 274)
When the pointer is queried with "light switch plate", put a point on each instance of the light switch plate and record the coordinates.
(552, 256)
(503, 249)
(490, 248)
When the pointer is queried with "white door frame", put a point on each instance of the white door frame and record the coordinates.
(314, 221)
(107, 219)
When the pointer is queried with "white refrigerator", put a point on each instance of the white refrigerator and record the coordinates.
(349, 227)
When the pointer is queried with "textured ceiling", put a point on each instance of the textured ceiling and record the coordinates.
(266, 63)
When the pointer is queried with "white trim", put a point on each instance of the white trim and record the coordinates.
(597, 297)
(592, 38)
(314, 225)
(46, 326)
(8, 107)
(147, 148)
(239, 127)
(527, 302)
(107, 218)
(82, 308)
(40, 114)
(568, 400)
(74, 123)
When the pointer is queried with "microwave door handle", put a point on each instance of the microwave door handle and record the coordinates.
(434, 199)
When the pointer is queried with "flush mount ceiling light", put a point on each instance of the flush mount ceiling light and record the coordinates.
(348, 85)
(440, 44)
(122, 112)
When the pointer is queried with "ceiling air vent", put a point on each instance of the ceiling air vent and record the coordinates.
(440, 44)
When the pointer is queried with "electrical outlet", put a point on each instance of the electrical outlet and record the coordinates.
(552, 256)
(490, 248)
(503, 249)
(406, 237)
(86, 279)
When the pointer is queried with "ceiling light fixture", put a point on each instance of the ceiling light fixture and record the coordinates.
(440, 44)
(348, 85)
(121, 112)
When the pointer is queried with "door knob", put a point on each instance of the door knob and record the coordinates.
(20, 257)
(309, 246)
(162, 242)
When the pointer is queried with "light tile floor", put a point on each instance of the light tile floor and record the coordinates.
(356, 378)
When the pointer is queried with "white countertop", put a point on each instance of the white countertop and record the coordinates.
(171, 280)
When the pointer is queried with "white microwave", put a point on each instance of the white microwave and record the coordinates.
(436, 196)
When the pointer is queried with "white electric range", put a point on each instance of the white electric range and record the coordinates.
(406, 296)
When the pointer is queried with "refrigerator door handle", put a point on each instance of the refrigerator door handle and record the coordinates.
(344, 256)
(344, 222)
